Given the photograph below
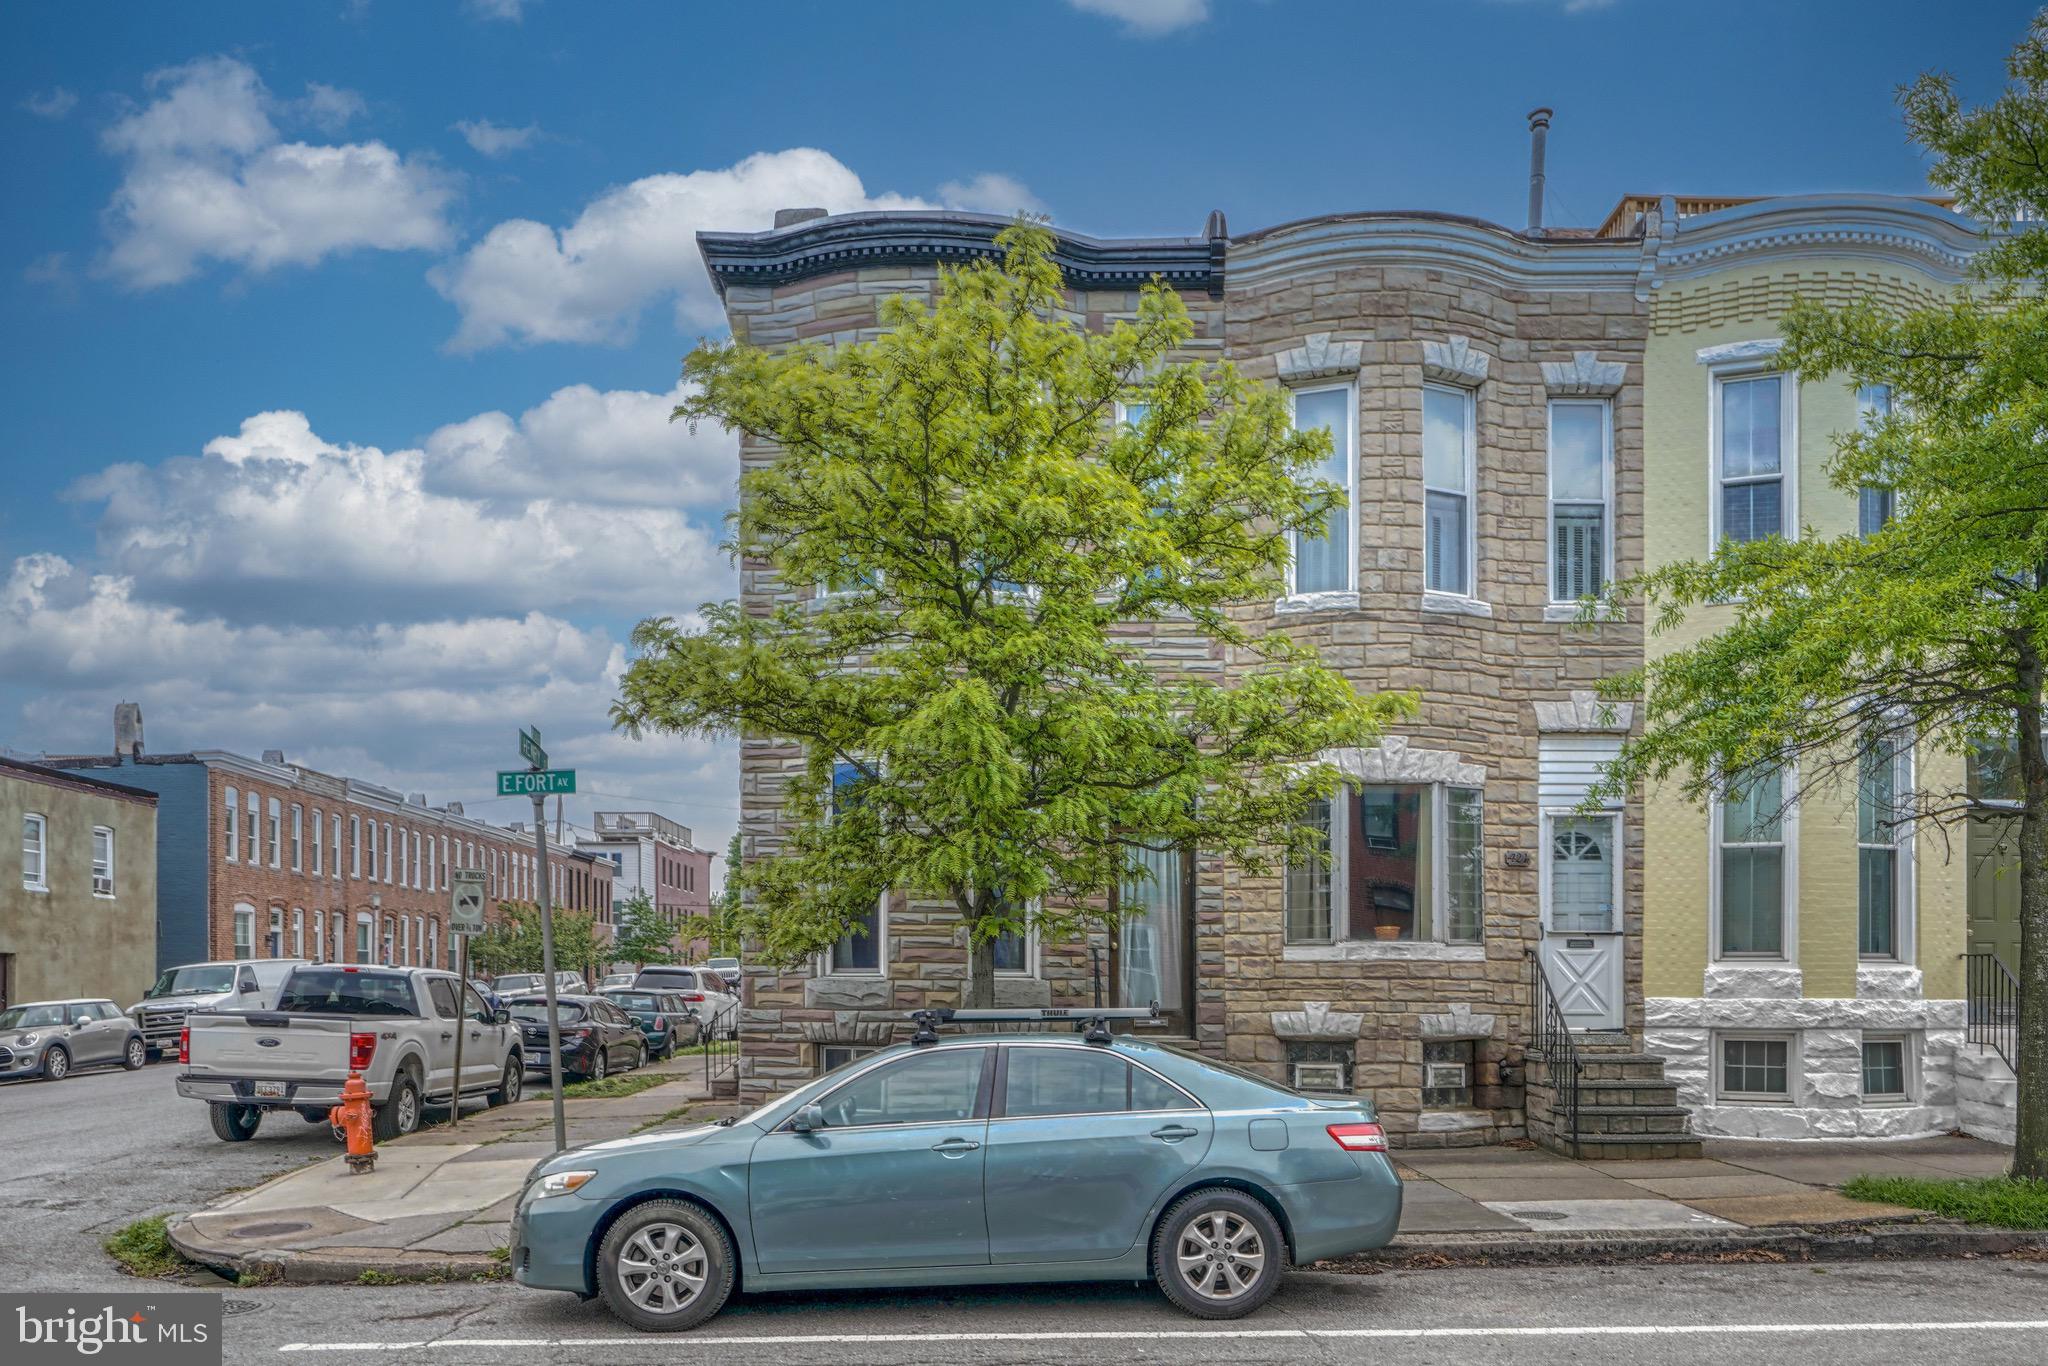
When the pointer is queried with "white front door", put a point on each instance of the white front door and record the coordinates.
(1582, 929)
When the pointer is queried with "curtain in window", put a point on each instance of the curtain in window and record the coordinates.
(1149, 963)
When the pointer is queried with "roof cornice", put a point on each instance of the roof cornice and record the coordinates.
(1431, 241)
(1897, 228)
(820, 246)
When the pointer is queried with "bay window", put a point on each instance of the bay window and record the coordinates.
(1322, 564)
(1394, 862)
(1447, 478)
(1581, 497)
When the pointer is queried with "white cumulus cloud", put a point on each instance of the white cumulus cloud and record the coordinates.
(1148, 18)
(991, 192)
(496, 139)
(54, 103)
(208, 177)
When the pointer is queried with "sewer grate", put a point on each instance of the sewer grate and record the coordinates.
(230, 1308)
(271, 1230)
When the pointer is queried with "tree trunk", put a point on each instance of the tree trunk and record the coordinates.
(980, 993)
(2030, 1140)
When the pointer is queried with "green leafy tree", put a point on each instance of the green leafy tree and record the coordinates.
(1934, 630)
(991, 533)
(512, 944)
(643, 935)
(722, 926)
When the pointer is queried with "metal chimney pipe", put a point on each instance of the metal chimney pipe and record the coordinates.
(1539, 135)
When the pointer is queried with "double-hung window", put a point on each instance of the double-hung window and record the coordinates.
(298, 932)
(355, 846)
(389, 844)
(373, 851)
(1881, 848)
(1873, 501)
(245, 930)
(1399, 861)
(1448, 445)
(254, 809)
(1753, 443)
(298, 838)
(319, 842)
(1581, 497)
(1750, 825)
(232, 825)
(274, 830)
(1322, 564)
(860, 949)
(102, 860)
(35, 856)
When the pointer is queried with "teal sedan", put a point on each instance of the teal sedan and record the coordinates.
(970, 1161)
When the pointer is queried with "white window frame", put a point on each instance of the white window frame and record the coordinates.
(1439, 865)
(366, 937)
(854, 1053)
(446, 881)
(405, 941)
(418, 862)
(298, 932)
(274, 940)
(319, 843)
(1909, 1069)
(1470, 494)
(105, 892)
(1350, 390)
(1788, 446)
(1905, 910)
(1033, 950)
(372, 823)
(273, 831)
(390, 841)
(319, 935)
(1606, 407)
(243, 929)
(39, 880)
(253, 807)
(1547, 856)
(234, 823)
(298, 838)
(1724, 1096)
(1788, 835)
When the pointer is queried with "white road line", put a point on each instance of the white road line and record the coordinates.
(1197, 1334)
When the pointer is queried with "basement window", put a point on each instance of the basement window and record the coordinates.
(1447, 1066)
(1322, 1068)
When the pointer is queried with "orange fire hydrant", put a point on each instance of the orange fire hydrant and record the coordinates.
(352, 1117)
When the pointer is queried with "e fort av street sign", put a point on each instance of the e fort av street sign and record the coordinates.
(546, 783)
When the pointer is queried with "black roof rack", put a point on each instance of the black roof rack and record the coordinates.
(1092, 1020)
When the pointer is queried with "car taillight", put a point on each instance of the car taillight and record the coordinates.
(693, 996)
(1360, 1138)
(361, 1048)
(185, 1045)
(660, 1023)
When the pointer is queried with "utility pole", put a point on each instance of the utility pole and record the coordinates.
(537, 781)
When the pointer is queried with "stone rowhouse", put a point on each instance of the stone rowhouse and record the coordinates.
(77, 886)
(261, 858)
(1804, 967)
(1483, 388)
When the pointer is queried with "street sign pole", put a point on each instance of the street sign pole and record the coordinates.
(465, 917)
(461, 1024)
(547, 963)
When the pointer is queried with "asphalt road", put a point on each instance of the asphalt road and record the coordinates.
(82, 1158)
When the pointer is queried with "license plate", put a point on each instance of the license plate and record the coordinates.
(270, 1090)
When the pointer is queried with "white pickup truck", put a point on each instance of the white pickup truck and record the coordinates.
(396, 1026)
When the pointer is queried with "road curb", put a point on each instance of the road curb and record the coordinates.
(330, 1266)
(1814, 1243)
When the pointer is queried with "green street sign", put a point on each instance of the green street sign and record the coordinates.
(530, 750)
(548, 782)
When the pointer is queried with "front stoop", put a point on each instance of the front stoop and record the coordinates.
(1627, 1110)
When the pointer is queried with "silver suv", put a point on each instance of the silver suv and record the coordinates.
(52, 1039)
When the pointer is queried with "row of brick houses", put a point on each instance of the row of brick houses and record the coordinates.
(1520, 416)
(263, 858)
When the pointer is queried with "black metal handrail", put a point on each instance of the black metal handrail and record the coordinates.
(1551, 1036)
(721, 1046)
(1993, 1002)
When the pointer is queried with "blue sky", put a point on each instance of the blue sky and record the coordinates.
(340, 334)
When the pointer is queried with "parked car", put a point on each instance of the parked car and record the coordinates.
(616, 979)
(703, 990)
(521, 983)
(597, 1037)
(664, 1019)
(729, 969)
(396, 1026)
(234, 984)
(979, 1160)
(53, 1039)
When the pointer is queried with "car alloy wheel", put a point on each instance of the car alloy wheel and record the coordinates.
(137, 1055)
(408, 1104)
(56, 1064)
(1220, 1255)
(597, 1068)
(662, 1268)
(508, 1086)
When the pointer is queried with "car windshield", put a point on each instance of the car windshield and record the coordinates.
(536, 1012)
(208, 977)
(522, 982)
(31, 1017)
(346, 991)
(722, 964)
(635, 1000)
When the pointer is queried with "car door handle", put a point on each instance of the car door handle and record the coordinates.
(1174, 1133)
(445, 1036)
(955, 1147)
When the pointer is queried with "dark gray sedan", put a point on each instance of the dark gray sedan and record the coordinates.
(53, 1039)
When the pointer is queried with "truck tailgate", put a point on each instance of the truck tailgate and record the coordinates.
(269, 1045)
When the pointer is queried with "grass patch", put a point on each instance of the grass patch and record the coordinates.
(500, 1255)
(143, 1248)
(675, 1116)
(613, 1087)
(2002, 1201)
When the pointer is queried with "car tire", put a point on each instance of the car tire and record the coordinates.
(509, 1084)
(399, 1115)
(314, 1116)
(234, 1123)
(135, 1056)
(1217, 1254)
(657, 1235)
(639, 1056)
(56, 1063)
(597, 1066)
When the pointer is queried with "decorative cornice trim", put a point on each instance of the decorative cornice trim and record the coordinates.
(1317, 357)
(1584, 375)
(1467, 247)
(1585, 714)
(1315, 1020)
(820, 246)
(1904, 230)
(1735, 353)
(1454, 361)
(1396, 761)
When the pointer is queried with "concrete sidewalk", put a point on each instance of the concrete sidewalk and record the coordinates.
(438, 1203)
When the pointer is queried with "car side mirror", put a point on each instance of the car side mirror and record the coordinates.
(808, 1118)
(501, 1016)
(248, 987)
